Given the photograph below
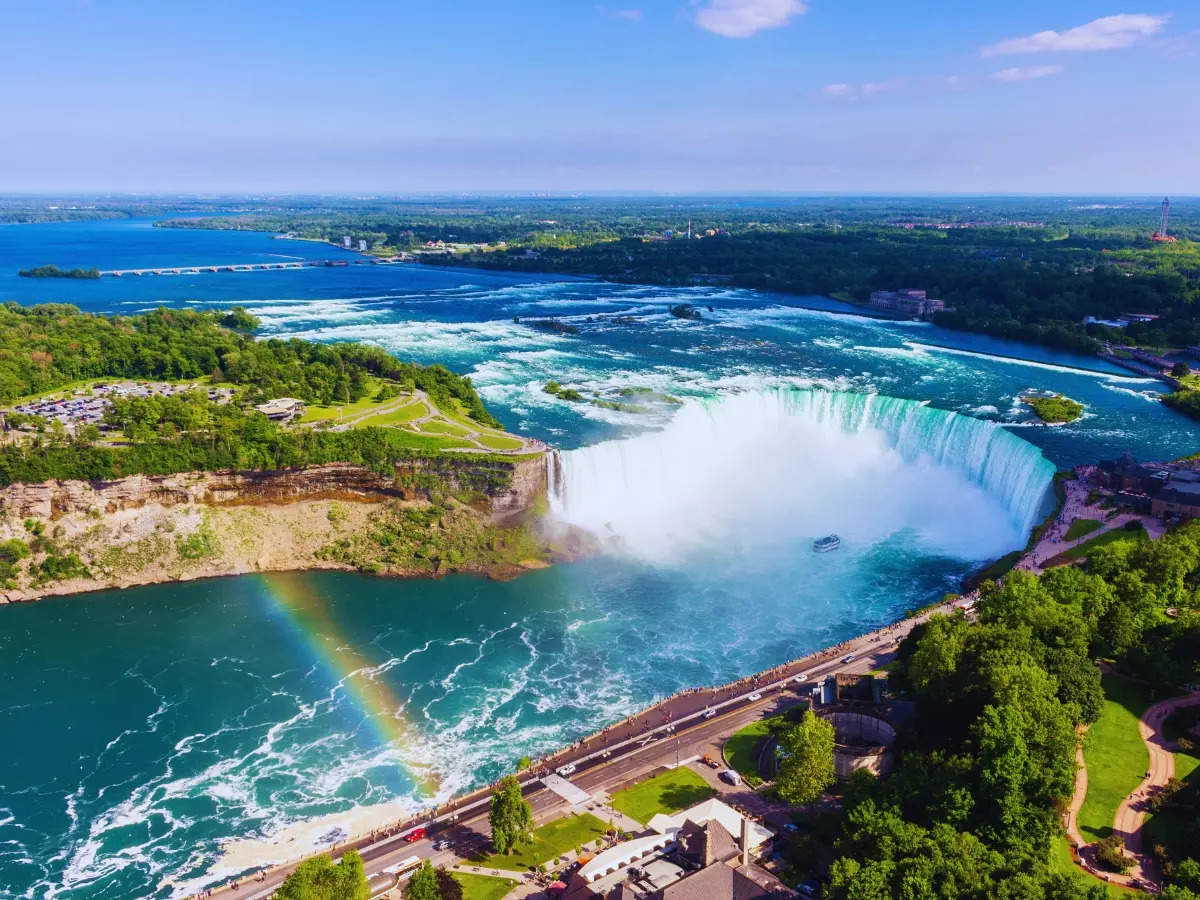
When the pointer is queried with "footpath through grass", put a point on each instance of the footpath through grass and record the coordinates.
(1171, 827)
(666, 793)
(1062, 863)
(550, 841)
(483, 887)
(1115, 755)
(1108, 537)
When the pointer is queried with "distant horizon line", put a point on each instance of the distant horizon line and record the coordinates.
(568, 194)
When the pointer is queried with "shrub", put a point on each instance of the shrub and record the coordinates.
(1110, 853)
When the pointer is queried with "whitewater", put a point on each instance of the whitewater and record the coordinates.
(155, 726)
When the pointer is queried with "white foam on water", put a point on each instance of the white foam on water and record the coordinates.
(778, 468)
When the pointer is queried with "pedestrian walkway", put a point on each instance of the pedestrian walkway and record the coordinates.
(1130, 818)
(565, 789)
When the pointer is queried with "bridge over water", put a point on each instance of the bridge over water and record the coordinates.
(252, 267)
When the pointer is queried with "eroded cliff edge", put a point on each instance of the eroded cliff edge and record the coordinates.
(429, 517)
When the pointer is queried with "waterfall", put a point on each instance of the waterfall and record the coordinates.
(780, 466)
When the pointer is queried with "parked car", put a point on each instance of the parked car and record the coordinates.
(710, 762)
(756, 696)
(808, 888)
(441, 845)
(566, 770)
(730, 777)
(790, 826)
(417, 834)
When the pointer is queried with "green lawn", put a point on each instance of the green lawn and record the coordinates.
(436, 426)
(401, 416)
(1109, 537)
(483, 887)
(550, 841)
(666, 793)
(741, 750)
(314, 413)
(1115, 755)
(495, 441)
(1080, 527)
(1062, 863)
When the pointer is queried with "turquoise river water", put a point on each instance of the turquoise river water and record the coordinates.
(147, 728)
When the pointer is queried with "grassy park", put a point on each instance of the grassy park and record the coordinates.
(430, 426)
(741, 750)
(1080, 527)
(666, 793)
(1115, 755)
(550, 841)
(1062, 863)
(483, 887)
(1101, 540)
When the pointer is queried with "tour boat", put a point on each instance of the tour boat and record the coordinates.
(827, 543)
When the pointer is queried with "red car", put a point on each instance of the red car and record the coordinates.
(417, 834)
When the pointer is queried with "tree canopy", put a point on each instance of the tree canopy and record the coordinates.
(510, 815)
(320, 878)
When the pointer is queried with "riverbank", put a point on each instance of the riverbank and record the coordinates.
(69, 537)
(629, 747)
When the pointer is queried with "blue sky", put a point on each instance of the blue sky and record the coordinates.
(1055, 96)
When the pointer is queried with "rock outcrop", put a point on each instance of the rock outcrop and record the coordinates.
(430, 517)
(510, 488)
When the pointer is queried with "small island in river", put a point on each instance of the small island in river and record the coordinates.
(1053, 410)
(55, 272)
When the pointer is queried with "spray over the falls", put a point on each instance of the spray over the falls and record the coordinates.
(776, 468)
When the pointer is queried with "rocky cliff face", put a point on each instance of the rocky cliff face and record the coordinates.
(432, 517)
(510, 488)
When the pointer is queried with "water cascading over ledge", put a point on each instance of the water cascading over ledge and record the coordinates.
(790, 464)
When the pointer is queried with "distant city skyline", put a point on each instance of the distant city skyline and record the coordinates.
(673, 96)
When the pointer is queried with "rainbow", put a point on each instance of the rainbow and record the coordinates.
(307, 615)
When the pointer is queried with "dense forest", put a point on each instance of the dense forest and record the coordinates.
(1030, 269)
(48, 346)
(973, 809)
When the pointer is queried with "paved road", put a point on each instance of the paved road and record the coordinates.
(673, 731)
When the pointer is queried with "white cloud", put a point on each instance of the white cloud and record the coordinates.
(1026, 73)
(1107, 33)
(630, 15)
(882, 87)
(838, 90)
(861, 91)
(742, 18)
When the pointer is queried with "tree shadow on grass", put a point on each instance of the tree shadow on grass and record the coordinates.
(681, 796)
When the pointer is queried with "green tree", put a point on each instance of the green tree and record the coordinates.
(807, 770)
(510, 815)
(424, 884)
(320, 878)
(449, 887)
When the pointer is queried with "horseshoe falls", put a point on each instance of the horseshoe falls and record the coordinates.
(736, 474)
